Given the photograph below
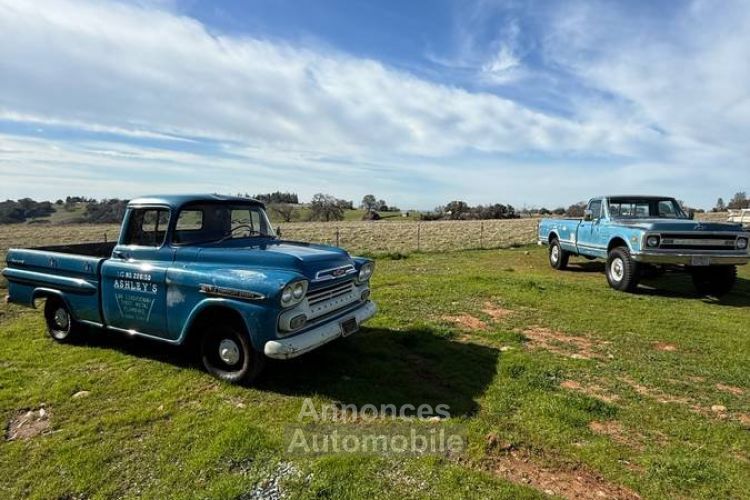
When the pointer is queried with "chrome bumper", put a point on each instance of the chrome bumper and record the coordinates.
(304, 342)
(686, 259)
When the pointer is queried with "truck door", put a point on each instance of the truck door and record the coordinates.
(589, 230)
(134, 289)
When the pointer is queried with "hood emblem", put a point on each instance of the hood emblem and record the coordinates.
(338, 272)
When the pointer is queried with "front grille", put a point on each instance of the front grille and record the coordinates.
(330, 292)
(692, 241)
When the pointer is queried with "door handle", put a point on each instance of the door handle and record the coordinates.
(117, 254)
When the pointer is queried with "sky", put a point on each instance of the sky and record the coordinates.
(533, 103)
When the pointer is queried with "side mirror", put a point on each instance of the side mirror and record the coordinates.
(278, 231)
(588, 215)
(691, 214)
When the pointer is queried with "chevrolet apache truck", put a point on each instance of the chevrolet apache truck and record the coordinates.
(206, 271)
(643, 236)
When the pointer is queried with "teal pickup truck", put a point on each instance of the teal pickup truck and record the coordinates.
(645, 235)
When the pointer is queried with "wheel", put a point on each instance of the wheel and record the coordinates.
(622, 270)
(558, 258)
(227, 355)
(714, 280)
(60, 323)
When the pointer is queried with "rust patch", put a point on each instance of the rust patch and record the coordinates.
(592, 390)
(27, 424)
(563, 344)
(495, 312)
(663, 346)
(577, 482)
(466, 321)
(730, 389)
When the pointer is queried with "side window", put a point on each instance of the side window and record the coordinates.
(666, 209)
(190, 220)
(147, 227)
(596, 209)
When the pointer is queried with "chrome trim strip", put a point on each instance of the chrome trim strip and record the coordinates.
(336, 272)
(232, 293)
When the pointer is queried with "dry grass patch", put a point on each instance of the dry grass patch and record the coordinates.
(578, 482)
(496, 312)
(663, 346)
(466, 321)
(593, 390)
(736, 391)
(563, 344)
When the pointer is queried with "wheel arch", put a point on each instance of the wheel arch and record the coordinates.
(617, 241)
(46, 293)
(552, 237)
(209, 312)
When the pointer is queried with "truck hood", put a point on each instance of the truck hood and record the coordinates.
(679, 225)
(304, 258)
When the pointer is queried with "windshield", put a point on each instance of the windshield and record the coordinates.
(645, 208)
(211, 222)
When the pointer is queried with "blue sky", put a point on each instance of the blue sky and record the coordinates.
(534, 103)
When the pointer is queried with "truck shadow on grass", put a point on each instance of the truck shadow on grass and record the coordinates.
(381, 366)
(374, 366)
(674, 285)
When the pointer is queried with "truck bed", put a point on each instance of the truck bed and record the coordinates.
(73, 269)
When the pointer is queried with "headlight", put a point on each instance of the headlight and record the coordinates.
(652, 241)
(365, 272)
(742, 243)
(293, 293)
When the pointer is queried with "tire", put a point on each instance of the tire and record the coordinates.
(60, 323)
(226, 354)
(558, 258)
(622, 270)
(714, 280)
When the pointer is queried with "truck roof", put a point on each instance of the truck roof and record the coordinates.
(643, 196)
(175, 201)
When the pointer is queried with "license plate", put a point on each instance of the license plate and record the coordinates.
(349, 326)
(700, 261)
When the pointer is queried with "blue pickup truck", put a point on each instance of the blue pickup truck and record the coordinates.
(207, 271)
(645, 235)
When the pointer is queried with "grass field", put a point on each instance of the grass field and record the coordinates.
(563, 386)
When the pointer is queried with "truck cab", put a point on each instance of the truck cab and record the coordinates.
(641, 235)
(206, 270)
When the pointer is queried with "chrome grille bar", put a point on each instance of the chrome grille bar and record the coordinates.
(329, 292)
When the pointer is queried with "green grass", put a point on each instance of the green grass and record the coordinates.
(154, 425)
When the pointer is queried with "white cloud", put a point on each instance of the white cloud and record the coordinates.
(306, 118)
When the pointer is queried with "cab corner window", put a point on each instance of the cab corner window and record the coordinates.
(147, 227)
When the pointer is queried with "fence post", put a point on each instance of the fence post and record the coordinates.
(481, 235)
(338, 236)
(105, 236)
(419, 230)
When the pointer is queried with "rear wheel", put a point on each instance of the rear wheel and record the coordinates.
(622, 270)
(60, 323)
(558, 258)
(226, 354)
(714, 280)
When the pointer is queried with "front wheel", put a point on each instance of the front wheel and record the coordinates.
(714, 280)
(622, 270)
(227, 355)
(558, 258)
(60, 323)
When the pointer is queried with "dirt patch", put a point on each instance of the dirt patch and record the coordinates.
(579, 482)
(593, 390)
(495, 312)
(730, 389)
(663, 346)
(466, 321)
(614, 430)
(27, 424)
(564, 344)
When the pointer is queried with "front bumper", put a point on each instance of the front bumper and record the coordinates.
(686, 258)
(304, 342)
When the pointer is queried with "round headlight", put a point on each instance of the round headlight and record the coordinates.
(742, 243)
(365, 272)
(298, 291)
(286, 295)
(652, 241)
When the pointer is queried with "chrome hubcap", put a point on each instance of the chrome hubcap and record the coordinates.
(617, 269)
(229, 351)
(555, 253)
(61, 319)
